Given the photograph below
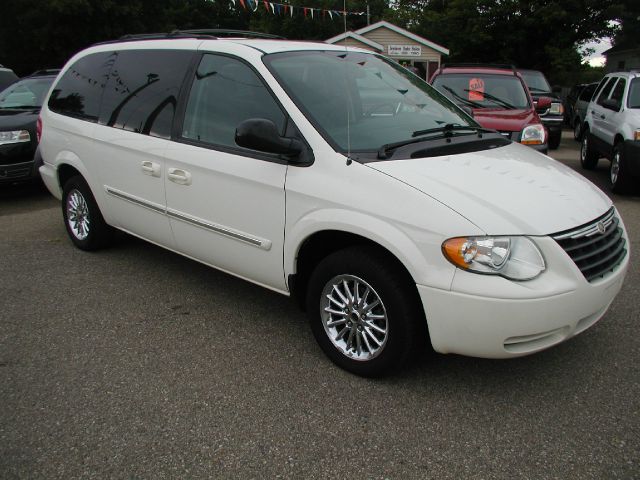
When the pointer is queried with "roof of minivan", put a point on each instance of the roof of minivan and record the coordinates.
(264, 45)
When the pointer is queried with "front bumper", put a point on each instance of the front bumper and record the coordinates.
(18, 172)
(18, 163)
(492, 317)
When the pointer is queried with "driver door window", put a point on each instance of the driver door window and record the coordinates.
(226, 92)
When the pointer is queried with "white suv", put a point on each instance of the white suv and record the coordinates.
(338, 177)
(611, 129)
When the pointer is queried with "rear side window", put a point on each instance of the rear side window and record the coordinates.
(142, 90)
(79, 91)
(226, 92)
(618, 92)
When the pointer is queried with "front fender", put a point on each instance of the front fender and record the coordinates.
(418, 250)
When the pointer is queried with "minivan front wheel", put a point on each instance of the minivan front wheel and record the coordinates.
(82, 218)
(364, 312)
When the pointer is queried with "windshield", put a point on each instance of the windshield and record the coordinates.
(361, 101)
(536, 81)
(633, 100)
(479, 90)
(28, 93)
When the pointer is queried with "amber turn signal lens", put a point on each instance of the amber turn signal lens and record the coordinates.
(454, 249)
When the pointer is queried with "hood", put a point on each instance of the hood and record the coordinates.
(505, 120)
(12, 119)
(507, 190)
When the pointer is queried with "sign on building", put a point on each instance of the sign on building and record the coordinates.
(405, 50)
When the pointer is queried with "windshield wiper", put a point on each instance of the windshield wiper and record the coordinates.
(495, 99)
(471, 103)
(446, 131)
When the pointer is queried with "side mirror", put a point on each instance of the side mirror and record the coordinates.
(611, 104)
(262, 135)
(543, 103)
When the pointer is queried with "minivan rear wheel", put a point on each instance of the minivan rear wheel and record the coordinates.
(364, 311)
(82, 218)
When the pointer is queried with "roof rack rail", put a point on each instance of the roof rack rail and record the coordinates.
(222, 32)
(205, 33)
(504, 66)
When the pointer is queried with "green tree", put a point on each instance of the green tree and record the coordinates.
(539, 34)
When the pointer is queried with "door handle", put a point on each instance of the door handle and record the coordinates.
(150, 168)
(181, 177)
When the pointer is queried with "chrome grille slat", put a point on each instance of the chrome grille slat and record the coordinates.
(595, 252)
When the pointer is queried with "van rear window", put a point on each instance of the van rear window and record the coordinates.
(79, 92)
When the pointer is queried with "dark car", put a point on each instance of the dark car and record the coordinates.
(497, 97)
(552, 116)
(7, 77)
(19, 108)
(570, 101)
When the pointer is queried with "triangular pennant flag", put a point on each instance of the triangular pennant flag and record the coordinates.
(305, 12)
(312, 12)
(273, 9)
(243, 4)
(330, 15)
(266, 5)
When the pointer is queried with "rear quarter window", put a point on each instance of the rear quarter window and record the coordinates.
(78, 93)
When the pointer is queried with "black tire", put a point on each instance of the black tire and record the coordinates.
(82, 218)
(618, 174)
(554, 139)
(577, 130)
(588, 155)
(380, 277)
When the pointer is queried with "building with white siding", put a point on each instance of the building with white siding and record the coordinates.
(397, 43)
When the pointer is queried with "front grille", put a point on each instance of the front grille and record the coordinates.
(597, 248)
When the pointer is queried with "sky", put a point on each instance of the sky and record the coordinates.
(596, 59)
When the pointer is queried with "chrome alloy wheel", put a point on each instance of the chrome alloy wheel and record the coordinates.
(615, 167)
(354, 317)
(78, 214)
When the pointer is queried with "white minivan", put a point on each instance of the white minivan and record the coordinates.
(336, 176)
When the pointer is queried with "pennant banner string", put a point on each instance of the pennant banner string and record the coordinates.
(284, 8)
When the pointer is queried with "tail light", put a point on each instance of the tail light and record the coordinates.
(39, 128)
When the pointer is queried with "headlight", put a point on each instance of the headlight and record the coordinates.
(516, 258)
(556, 108)
(533, 135)
(17, 136)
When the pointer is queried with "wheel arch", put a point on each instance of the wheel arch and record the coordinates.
(321, 244)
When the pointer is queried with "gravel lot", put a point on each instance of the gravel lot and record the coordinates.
(137, 363)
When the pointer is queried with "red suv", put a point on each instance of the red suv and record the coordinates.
(498, 98)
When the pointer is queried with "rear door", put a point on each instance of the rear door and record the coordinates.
(135, 122)
(226, 204)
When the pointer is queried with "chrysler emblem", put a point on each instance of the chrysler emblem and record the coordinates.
(601, 228)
